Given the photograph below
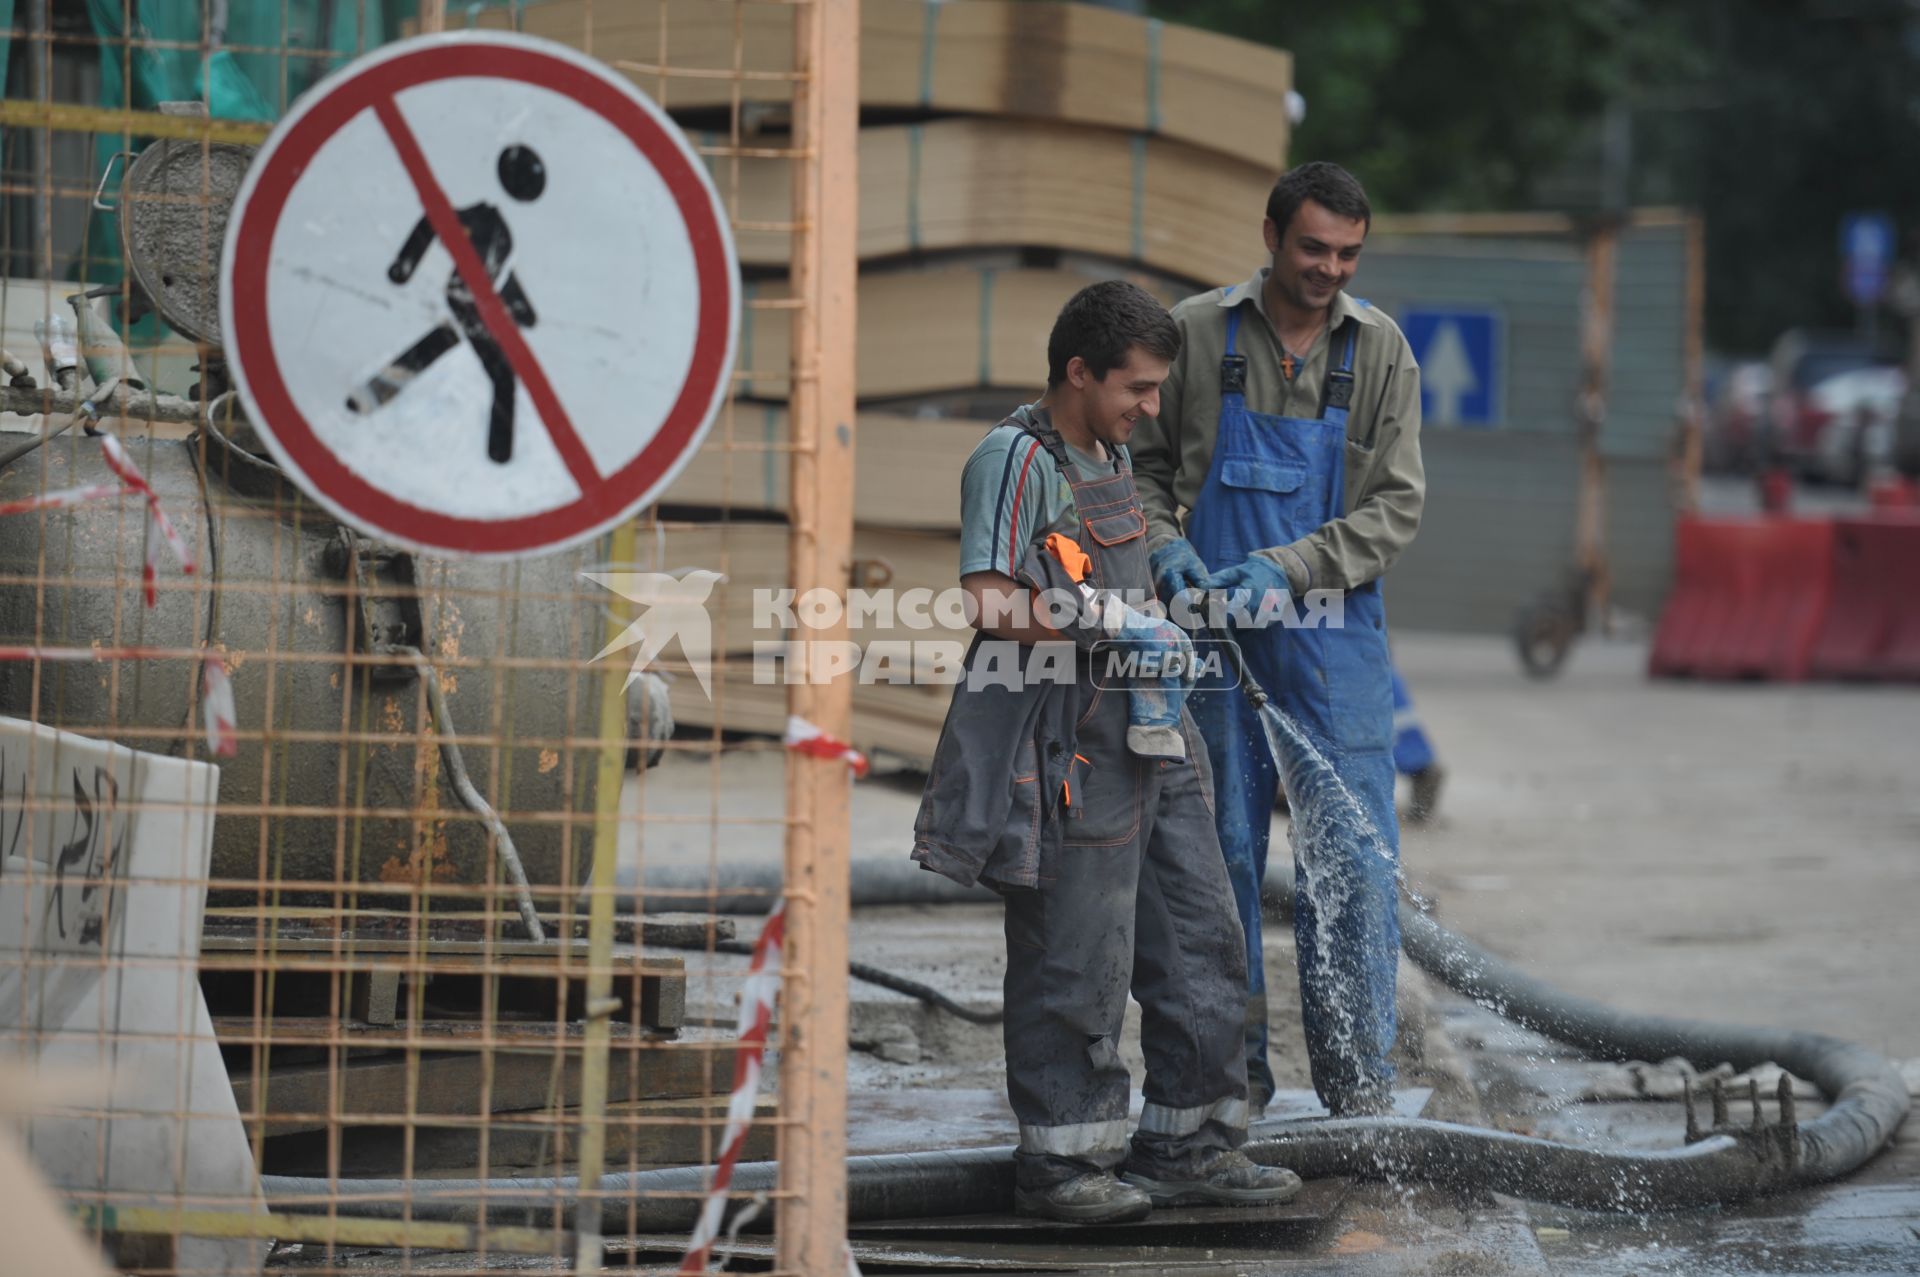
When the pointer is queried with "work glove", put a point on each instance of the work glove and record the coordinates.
(1161, 655)
(1158, 633)
(1250, 582)
(1176, 566)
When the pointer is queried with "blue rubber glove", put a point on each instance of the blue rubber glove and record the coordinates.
(1176, 566)
(1165, 661)
(1175, 649)
(1250, 581)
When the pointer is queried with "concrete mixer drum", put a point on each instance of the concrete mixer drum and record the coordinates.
(173, 208)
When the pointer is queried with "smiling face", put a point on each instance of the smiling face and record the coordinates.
(1317, 255)
(1109, 406)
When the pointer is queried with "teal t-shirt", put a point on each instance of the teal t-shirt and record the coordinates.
(1012, 496)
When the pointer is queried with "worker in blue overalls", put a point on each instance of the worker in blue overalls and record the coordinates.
(1413, 755)
(1288, 434)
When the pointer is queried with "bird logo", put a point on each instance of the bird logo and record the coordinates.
(676, 607)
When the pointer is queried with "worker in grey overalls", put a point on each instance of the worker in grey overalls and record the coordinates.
(1099, 836)
(1289, 433)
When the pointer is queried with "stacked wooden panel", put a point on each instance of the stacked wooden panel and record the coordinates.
(1011, 152)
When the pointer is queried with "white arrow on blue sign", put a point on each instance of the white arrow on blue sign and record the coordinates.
(1866, 248)
(1461, 351)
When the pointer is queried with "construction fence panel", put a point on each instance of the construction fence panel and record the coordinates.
(324, 939)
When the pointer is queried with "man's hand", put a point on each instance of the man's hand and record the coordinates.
(1176, 567)
(1252, 582)
(1169, 641)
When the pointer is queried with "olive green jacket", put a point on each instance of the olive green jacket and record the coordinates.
(1385, 480)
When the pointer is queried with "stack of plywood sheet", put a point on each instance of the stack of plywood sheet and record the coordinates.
(1012, 151)
(1028, 59)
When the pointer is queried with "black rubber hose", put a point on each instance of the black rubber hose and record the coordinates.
(895, 1186)
(1868, 1097)
(1869, 1102)
(752, 889)
(872, 975)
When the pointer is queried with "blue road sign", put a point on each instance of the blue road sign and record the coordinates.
(1462, 355)
(1866, 254)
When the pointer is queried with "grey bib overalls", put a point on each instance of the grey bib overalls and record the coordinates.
(1113, 880)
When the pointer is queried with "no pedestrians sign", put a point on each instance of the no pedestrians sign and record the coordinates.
(480, 296)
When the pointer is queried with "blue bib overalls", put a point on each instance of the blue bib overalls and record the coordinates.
(1272, 481)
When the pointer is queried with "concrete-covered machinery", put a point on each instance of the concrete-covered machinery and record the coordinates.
(338, 780)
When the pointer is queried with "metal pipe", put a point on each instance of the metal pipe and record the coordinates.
(122, 400)
(589, 1251)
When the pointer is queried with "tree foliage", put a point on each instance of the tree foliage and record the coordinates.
(1774, 118)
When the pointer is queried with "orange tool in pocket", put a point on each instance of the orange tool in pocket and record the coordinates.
(1077, 562)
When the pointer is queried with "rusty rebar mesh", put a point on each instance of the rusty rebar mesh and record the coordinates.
(315, 963)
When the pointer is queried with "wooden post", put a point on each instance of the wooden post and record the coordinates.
(1596, 358)
(811, 1221)
(1693, 404)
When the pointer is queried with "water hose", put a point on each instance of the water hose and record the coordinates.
(1725, 1163)
(861, 971)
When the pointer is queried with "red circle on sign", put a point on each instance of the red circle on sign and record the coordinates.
(250, 347)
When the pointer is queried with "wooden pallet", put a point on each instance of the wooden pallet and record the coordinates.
(396, 968)
(472, 1086)
(640, 1135)
(358, 1036)
(386, 982)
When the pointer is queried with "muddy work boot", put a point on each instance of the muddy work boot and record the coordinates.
(1094, 1198)
(1425, 802)
(1232, 1179)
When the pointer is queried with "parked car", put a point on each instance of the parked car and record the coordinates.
(1860, 408)
(1906, 433)
(1736, 417)
(1801, 360)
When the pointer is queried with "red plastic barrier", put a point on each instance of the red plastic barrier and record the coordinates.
(1893, 492)
(1747, 600)
(1872, 626)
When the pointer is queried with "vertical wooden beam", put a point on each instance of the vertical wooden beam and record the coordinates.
(1596, 358)
(1693, 405)
(811, 1222)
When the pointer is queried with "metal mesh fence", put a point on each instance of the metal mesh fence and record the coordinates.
(322, 942)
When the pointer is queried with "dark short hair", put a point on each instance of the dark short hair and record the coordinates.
(1101, 322)
(1328, 185)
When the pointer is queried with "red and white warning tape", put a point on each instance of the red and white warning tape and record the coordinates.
(23, 652)
(216, 708)
(756, 1016)
(216, 701)
(803, 737)
(159, 527)
(62, 499)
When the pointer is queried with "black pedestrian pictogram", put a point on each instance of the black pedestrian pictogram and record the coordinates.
(523, 176)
